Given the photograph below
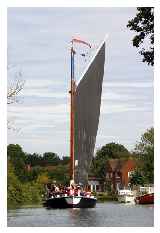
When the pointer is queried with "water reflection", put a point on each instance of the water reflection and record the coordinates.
(84, 217)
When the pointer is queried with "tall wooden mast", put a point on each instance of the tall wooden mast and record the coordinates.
(72, 92)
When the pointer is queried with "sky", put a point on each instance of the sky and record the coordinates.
(39, 48)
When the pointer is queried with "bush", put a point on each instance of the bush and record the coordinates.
(19, 193)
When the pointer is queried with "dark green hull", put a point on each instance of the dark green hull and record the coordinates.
(70, 202)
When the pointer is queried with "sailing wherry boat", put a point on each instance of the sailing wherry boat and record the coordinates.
(84, 119)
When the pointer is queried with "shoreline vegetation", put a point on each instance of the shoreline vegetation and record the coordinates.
(29, 173)
(23, 193)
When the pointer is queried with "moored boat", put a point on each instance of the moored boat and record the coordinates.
(145, 199)
(126, 196)
(146, 196)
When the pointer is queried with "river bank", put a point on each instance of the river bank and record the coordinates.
(103, 196)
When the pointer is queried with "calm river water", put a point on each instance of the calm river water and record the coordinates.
(108, 214)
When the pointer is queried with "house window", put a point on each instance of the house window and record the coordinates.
(97, 187)
(118, 175)
(109, 175)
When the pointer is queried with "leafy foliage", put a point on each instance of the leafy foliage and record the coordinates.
(19, 192)
(112, 151)
(143, 24)
(65, 160)
(17, 157)
(14, 188)
(33, 159)
(109, 151)
(50, 158)
(60, 173)
(145, 157)
(137, 178)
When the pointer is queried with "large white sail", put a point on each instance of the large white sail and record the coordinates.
(87, 111)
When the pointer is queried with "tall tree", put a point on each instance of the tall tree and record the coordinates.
(14, 188)
(16, 157)
(33, 159)
(145, 151)
(50, 158)
(143, 24)
(109, 151)
(112, 151)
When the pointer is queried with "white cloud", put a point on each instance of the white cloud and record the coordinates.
(30, 118)
(110, 137)
(44, 93)
(109, 94)
(42, 83)
(118, 108)
(44, 88)
(130, 84)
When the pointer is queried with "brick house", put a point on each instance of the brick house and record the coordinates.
(119, 172)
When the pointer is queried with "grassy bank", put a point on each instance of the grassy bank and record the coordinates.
(103, 196)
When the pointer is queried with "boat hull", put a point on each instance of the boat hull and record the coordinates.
(145, 199)
(126, 199)
(70, 202)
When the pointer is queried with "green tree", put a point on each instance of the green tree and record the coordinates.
(14, 187)
(145, 151)
(113, 151)
(43, 178)
(19, 193)
(65, 160)
(60, 173)
(33, 173)
(143, 25)
(137, 178)
(16, 156)
(109, 151)
(33, 159)
(50, 158)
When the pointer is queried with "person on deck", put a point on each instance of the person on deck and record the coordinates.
(72, 191)
(78, 191)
